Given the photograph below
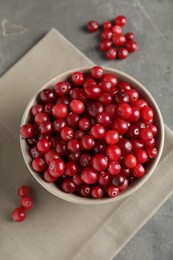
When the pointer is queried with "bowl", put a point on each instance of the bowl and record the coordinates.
(51, 187)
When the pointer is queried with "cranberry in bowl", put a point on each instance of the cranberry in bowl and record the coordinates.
(92, 135)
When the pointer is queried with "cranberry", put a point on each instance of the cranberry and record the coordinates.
(104, 178)
(113, 191)
(133, 94)
(140, 103)
(67, 133)
(71, 168)
(48, 178)
(60, 110)
(106, 34)
(79, 134)
(92, 91)
(145, 134)
(133, 132)
(154, 129)
(114, 168)
(113, 152)
(18, 214)
(93, 108)
(146, 113)
(47, 96)
(77, 78)
(123, 53)
(141, 156)
(123, 86)
(131, 46)
(87, 142)
(97, 192)
(48, 108)
(61, 147)
(124, 186)
(103, 119)
(36, 109)
(121, 97)
(27, 203)
(56, 167)
(130, 161)
(124, 111)
(119, 40)
(74, 157)
(118, 180)
(78, 93)
(68, 185)
(151, 151)
(111, 137)
(137, 144)
(110, 110)
(99, 146)
(59, 124)
(110, 78)
(135, 115)
(105, 45)
(23, 191)
(51, 155)
(97, 131)
(116, 29)
(34, 152)
(138, 171)
(125, 145)
(43, 145)
(92, 26)
(38, 164)
(73, 145)
(120, 20)
(107, 25)
(63, 100)
(125, 171)
(62, 88)
(77, 106)
(105, 86)
(99, 162)
(77, 179)
(130, 36)
(46, 127)
(85, 190)
(84, 124)
(27, 131)
(111, 53)
(89, 175)
(97, 72)
(152, 143)
(120, 125)
(85, 159)
(73, 120)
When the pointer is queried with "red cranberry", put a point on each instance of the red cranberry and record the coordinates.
(36, 109)
(27, 203)
(154, 129)
(111, 137)
(93, 108)
(43, 145)
(67, 133)
(47, 96)
(125, 145)
(61, 147)
(87, 142)
(97, 192)
(105, 86)
(78, 93)
(110, 110)
(48, 178)
(124, 186)
(62, 88)
(114, 168)
(113, 152)
(137, 144)
(84, 124)
(89, 175)
(123, 53)
(151, 151)
(118, 180)
(120, 125)
(106, 34)
(135, 115)
(60, 110)
(141, 156)
(124, 111)
(18, 214)
(34, 152)
(145, 134)
(97, 72)
(104, 178)
(107, 25)
(125, 171)
(71, 168)
(56, 167)
(74, 157)
(111, 53)
(73, 145)
(146, 113)
(120, 20)
(92, 91)
(103, 119)
(23, 191)
(63, 100)
(68, 185)
(46, 127)
(130, 161)
(77, 106)
(138, 171)
(77, 78)
(48, 108)
(38, 164)
(116, 29)
(27, 131)
(110, 78)
(79, 134)
(59, 124)
(105, 45)
(113, 191)
(131, 46)
(140, 103)
(121, 97)
(51, 155)
(77, 179)
(85, 159)
(130, 36)
(97, 131)
(99, 162)
(124, 86)
(92, 26)
(73, 120)
(99, 146)
(85, 190)
(119, 40)
(133, 94)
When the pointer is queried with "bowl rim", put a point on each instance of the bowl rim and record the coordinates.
(89, 201)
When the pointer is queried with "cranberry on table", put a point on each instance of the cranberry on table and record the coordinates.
(97, 192)
(99, 162)
(107, 25)
(18, 214)
(105, 45)
(89, 175)
(116, 29)
(56, 167)
(111, 53)
(77, 78)
(130, 36)
(23, 191)
(27, 131)
(27, 203)
(68, 185)
(131, 46)
(92, 26)
(123, 53)
(106, 34)
(120, 20)
(119, 40)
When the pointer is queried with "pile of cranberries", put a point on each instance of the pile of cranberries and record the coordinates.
(19, 214)
(114, 43)
(91, 134)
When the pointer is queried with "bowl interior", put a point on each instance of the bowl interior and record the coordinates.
(51, 187)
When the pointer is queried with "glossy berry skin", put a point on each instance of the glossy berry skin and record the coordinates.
(106, 34)
(92, 91)
(120, 20)
(129, 36)
(97, 192)
(99, 147)
(104, 178)
(34, 152)
(141, 156)
(46, 127)
(140, 103)
(56, 167)
(85, 159)
(68, 185)
(47, 96)
(125, 145)
(146, 113)
(120, 125)
(113, 152)
(123, 53)
(151, 151)
(89, 175)
(77, 106)
(135, 115)
(138, 171)
(67, 133)
(124, 186)
(36, 109)
(97, 72)
(92, 26)
(145, 134)
(73, 145)
(130, 161)
(38, 164)
(93, 108)
(105, 98)
(63, 100)
(48, 108)
(111, 53)
(103, 119)
(124, 111)
(119, 40)
(114, 168)
(27, 203)
(77, 179)
(137, 144)
(118, 180)
(111, 137)
(18, 214)
(84, 124)
(60, 110)
(43, 145)
(131, 46)
(41, 117)
(105, 45)
(27, 131)
(107, 25)
(97, 131)
(116, 29)
(110, 78)
(85, 190)
(87, 142)
(23, 191)
(78, 93)
(74, 157)
(77, 78)
(79, 134)
(49, 178)
(113, 191)
(71, 168)
(51, 155)
(72, 120)
(99, 162)
(154, 129)
(124, 86)
(62, 88)
(58, 124)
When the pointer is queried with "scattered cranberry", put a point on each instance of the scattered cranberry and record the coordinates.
(120, 20)
(23, 191)
(111, 53)
(27, 203)
(123, 53)
(131, 46)
(92, 26)
(18, 214)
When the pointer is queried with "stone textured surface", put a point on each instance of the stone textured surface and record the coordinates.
(23, 23)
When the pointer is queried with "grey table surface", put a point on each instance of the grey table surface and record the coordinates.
(23, 23)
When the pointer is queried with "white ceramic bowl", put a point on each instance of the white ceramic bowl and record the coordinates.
(52, 188)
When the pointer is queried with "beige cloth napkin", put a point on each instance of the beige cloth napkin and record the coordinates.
(56, 229)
